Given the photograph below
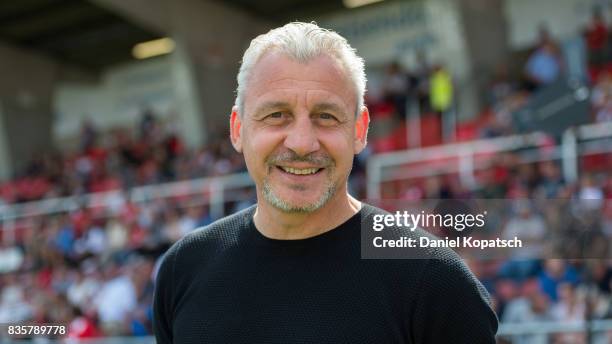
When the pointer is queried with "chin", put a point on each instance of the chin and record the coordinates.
(295, 203)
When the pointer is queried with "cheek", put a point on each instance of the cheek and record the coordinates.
(258, 146)
(340, 146)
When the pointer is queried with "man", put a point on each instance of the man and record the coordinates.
(596, 37)
(289, 270)
(544, 65)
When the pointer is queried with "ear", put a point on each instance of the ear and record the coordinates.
(361, 130)
(236, 129)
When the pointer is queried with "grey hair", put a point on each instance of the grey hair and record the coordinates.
(302, 42)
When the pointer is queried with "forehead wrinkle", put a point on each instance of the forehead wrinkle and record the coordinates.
(288, 96)
(328, 106)
(270, 102)
(269, 105)
(290, 83)
(314, 100)
(330, 101)
(333, 84)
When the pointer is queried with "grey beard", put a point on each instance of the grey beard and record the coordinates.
(281, 204)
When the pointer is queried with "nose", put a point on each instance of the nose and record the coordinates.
(302, 137)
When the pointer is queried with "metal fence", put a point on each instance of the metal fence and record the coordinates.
(462, 157)
(214, 192)
(576, 142)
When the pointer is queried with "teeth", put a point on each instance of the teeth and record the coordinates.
(299, 171)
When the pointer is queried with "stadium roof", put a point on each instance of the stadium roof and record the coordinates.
(73, 31)
(85, 34)
(286, 10)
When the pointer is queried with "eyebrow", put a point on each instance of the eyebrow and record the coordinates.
(276, 105)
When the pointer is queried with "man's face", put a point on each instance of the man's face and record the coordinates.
(298, 132)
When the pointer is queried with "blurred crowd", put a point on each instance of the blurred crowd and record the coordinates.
(149, 153)
(546, 65)
(93, 270)
(525, 287)
(511, 90)
(560, 224)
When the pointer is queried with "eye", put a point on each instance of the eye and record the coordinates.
(326, 119)
(276, 118)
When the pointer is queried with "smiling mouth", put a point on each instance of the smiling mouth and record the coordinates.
(299, 171)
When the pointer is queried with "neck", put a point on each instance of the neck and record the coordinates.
(277, 224)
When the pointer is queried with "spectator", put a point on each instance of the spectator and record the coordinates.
(89, 135)
(501, 85)
(601, 98)
(544, 64)
(82, 326)
(422, 74)
(11, 258)
(83, 290)
(93, 241)
(395, 88)
(189, 221)
(571, 309)
(117, 234)
(115, 300)
(551, 182)
(590, 194)
(530, 228)
(533, 306)
(441, 89)
(596, 36)
(13, 307)
(555, 272)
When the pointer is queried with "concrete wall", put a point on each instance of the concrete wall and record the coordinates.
(485, 29)
(398, 30)
(211, 38)
(27, 83)
(25, 96)
(117, 99)
(564, 18)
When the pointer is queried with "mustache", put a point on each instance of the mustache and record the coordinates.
(317, 159)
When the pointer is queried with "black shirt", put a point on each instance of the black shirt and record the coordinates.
(227, 283)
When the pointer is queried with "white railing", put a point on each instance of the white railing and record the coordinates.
(548, 327)
(587, 139)
(217, 191)
(583, 140)
(215, 187)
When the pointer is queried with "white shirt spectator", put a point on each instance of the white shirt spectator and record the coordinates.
(13, 308)
(531, 229)
(117, 235)
(116, 299)
(81, 292)
(93, 242)
(592, 197)
(187, 224)
(11, 258)
(521, 311)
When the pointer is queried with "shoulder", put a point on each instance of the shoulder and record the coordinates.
(377, 222)
(369, 210)
(436, 266)
(207, 241)
(221, 233)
